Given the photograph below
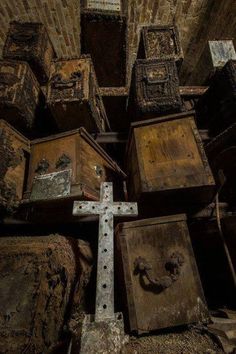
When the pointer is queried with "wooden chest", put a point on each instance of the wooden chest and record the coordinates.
(67, 167)
(30, 42)
(155, 89)
(161, 279)
(14, 152)
(37, 279)
(217, 107)
(215, 55)
(160, 42)
(73, 96)
(104, 37)
(20, 95)
(167, 165)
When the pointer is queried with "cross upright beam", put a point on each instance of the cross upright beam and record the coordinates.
(106, 209)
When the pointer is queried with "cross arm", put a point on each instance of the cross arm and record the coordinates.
(125, 209)
(86, 208)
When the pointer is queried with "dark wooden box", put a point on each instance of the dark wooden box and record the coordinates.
(161, 279)
(160, 42)
(20, 96)
(167, 165)
(14, 152)
(37, 279)
(221, 153)
(155, 89)
(73, 96)
(217, 107)
(29, 41)
(104, 37)
(66, 167)
(217, 279)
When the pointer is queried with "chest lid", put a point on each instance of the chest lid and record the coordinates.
(161, 42)
(163, 288)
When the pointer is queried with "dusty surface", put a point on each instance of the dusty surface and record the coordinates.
(186, 342)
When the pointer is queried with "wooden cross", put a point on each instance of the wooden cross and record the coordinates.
(106, 209)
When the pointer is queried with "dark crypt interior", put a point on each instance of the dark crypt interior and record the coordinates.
(117, 176)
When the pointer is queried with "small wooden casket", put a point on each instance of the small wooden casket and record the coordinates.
(160, 42)
(215, 55)
(217, 107)
(14, 152)
(155, 89)
(167, 165)
(73, 96)
(66, 167)
(30, 42)
(161, 279)
(20, 95)
(104, 37)
(38, 275)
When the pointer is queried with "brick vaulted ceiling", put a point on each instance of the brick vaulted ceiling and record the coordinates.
(197, 20)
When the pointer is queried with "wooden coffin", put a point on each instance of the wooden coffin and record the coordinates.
(160, 42)
(221, 153)
(161, 279)
(37, 279)
(73, 96)
(30, 42)
(66, 167)
(216, 276)
(155, 89)
(215, 55)
(20, 96)
(104, 37)
(217, 107)
(167, 165)
(14, 152)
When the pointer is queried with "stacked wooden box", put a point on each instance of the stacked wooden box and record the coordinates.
(58, 105)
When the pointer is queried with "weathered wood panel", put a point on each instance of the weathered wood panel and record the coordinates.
(14, 152)
(159, 270)
(30, 42)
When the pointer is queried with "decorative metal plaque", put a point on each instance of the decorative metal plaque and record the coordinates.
(105, 5)
(51, 185)
(221, 52)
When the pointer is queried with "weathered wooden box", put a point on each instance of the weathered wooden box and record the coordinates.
(221, 153)
(167, 165)
(73, 96)
(14, 152)
(37, 279)
(20, 95)
(155, 89)
(215, 55)
(216, 277)
(29, 41)
(160, 42)
(66, 167)
(161, 279)
(217, 107)
(104, 37)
